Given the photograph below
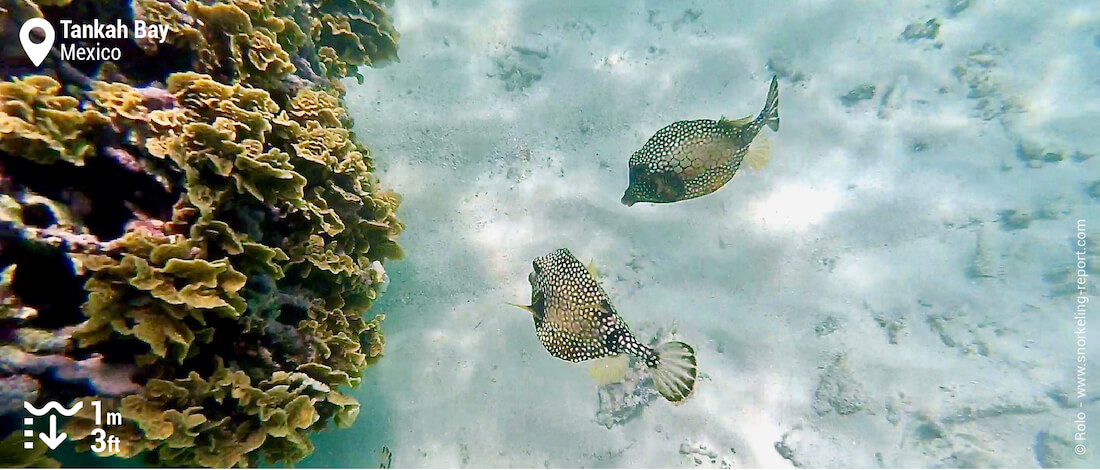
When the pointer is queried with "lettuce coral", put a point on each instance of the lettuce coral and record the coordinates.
(43, 126)
(211, 232)
(352, 33)
(264, 42)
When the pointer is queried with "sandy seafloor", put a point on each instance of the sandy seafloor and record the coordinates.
(893, 289)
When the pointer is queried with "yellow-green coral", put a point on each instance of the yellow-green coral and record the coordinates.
(159, 292)
(240, 308)
(356, 32)
(258, 39)
(246, 34)
(220, 143)
(172, 417)
(119, 99)
(13, 455)
(39, 124)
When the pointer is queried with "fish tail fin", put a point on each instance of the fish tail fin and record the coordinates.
(387, 458)
(675, 371)
(770, 114)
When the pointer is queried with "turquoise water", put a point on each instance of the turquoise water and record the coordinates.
(897, 287)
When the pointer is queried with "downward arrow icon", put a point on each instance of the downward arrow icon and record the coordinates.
(54, 439)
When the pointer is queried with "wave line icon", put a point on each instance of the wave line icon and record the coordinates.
(53, 405)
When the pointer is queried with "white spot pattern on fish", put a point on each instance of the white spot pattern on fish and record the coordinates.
(575, 321)
(688, 159)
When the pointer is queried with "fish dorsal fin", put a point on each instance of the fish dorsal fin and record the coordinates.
(609, 370)
(736, 122)
(758, 154)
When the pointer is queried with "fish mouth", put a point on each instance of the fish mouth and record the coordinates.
(628, 200)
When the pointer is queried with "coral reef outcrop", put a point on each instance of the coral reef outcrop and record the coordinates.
(192, 235)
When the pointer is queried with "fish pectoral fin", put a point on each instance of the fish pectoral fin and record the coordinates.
(758, 154)
(525, 307)
(609, 370)
(591, 267)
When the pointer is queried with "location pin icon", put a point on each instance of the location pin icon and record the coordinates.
(36, 52)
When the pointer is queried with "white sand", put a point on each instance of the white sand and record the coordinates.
(848, 221)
